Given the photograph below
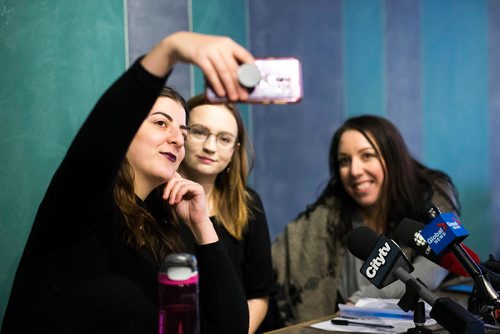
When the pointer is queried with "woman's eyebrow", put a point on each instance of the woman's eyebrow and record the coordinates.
(183, 127)
(164, 114)
(366, 148)
(361, 150)
(224, 132)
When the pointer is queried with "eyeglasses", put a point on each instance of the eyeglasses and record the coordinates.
(200, 134)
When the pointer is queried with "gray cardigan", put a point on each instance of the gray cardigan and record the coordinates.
(309, 262)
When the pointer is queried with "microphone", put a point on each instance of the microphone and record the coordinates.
(408, 233)
(445, 232)
(382, 256)
(385, 262)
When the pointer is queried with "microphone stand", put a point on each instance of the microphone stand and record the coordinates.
(485, 302)
(445, 311)
(419, 320)
(486, 292)
(488, 301)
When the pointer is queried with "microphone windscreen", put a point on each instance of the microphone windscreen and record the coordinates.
(430, 212)
(406, 230)
(361, 241)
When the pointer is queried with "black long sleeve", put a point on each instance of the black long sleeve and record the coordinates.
(77, 274)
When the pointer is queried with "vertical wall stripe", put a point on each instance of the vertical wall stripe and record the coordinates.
(125, 32)
(249, 119)
(494, 98)
(363, 57)
(219, 17)
(150, 21)
(402, 45)
(455, 111)
(191, 67)
(292, 141)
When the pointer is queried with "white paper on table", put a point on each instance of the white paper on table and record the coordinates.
(374, 310)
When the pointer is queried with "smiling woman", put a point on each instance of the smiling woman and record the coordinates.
(361, 172)
(375, 182)
(159, 140)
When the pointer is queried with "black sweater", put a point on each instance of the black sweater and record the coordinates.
(77, 274)
(251, 256)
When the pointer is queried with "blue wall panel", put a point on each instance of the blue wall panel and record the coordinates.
(455, 105)
(364, 57)
(494, 107)
(402, 58)
(148, 22)
(292, 141)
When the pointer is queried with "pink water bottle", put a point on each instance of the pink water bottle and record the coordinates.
(178, 287)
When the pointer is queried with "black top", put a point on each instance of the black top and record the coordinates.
(251, 256)
(77, 274)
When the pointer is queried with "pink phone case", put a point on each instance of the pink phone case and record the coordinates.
(280, 83)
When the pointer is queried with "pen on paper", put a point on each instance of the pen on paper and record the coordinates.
(344, 322)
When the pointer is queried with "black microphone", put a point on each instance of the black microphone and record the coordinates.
(364, 243)
(385, 262)
(381, 255)
(445, 232)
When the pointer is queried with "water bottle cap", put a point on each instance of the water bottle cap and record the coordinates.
(180, 273)
(248, 75)
(178, 267)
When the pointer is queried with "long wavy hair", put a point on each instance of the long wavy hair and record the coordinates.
(408, 184)
(157, 232)
(230, 196)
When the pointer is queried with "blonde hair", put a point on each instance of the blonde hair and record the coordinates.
(230, 196)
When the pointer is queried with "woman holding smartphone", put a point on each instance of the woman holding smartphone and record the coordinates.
(91, 260)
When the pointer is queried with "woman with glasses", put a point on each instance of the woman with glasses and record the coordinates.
(219, 156)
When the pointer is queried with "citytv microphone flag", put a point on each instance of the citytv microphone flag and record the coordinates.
(383, 259)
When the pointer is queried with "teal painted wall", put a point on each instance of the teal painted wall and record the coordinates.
(57, 57)
(364, 57)
(455, 110)
(220, 17)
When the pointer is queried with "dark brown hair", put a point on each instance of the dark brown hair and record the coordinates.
(408, 184)
(159, 233)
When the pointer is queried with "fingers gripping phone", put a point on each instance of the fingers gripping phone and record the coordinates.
(269, 81)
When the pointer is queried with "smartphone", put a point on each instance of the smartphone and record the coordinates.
(280, 82)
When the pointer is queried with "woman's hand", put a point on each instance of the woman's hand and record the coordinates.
(218, 57)
(187, 198)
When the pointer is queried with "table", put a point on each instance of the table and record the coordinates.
(303, 328)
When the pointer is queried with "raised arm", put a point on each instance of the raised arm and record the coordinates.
(218, 58)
